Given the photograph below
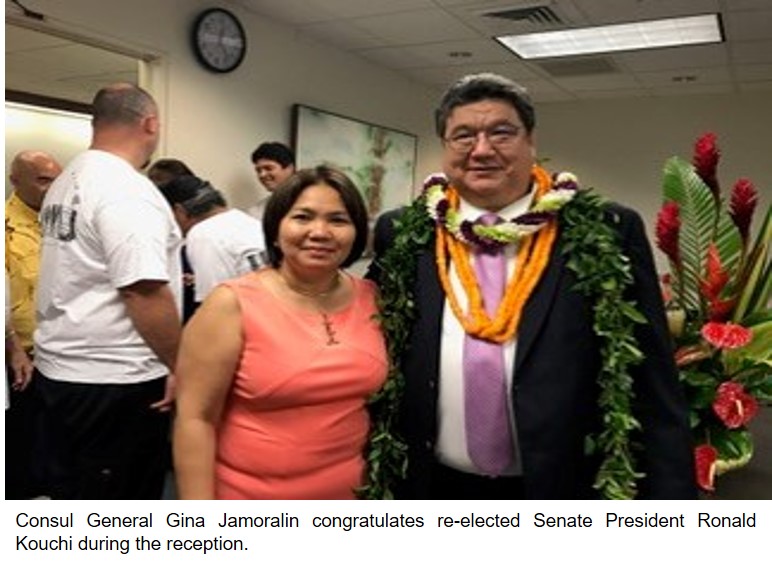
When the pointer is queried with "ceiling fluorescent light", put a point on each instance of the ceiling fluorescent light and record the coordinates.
(618, 37)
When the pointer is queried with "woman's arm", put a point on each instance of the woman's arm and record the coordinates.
(209, 353)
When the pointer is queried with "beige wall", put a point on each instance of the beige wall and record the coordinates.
(620, 146)
(214, 121)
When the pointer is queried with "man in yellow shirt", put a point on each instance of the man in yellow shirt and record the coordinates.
(32, 172)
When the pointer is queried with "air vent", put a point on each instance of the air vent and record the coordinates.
(533, 14)
(579, 66)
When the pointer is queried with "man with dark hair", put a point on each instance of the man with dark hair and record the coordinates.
(274, 163)
(108, 318)
(163, 171)
(221, 243)
(538, 362)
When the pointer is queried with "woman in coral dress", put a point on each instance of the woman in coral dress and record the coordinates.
(275, 368)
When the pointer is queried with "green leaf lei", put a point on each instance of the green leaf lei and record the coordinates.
(603, 273)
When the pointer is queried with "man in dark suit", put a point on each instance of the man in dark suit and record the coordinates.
(501, 385)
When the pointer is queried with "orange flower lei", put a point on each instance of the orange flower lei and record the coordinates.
(532, 258)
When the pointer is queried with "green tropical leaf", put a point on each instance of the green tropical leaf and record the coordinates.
(758, 350)
(732, 444)
(757, 287)
(729, 243)
(697, 211)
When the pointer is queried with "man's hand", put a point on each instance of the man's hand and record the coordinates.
(22, 369)
(167, 402)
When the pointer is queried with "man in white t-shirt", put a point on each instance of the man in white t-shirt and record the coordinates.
(108, 320)
(221, 243)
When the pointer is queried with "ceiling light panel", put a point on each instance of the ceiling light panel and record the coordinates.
(692, 30)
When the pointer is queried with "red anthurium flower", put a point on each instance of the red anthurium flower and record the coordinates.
(668, 227)
(733, 405)
(706, 154)
(705, 459)
(742, 204)
(726, 335)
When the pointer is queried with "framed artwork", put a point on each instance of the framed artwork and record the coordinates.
(379, 160)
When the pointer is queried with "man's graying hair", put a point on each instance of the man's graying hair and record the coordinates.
(124, 103)
(484, 86)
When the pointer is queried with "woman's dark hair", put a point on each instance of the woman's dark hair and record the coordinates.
(484, 86)
(194, 195)
(284, 197)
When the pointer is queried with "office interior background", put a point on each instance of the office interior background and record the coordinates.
(613, 119)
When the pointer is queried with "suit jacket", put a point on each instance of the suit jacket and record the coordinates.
(554, 388)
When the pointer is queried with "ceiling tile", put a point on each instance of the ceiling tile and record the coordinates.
(613, 11)
(292, 12)
(472, 52)
(414, 38)
(690, 76)
(752, 52)
(605, 82)
(343, 34)
(350, 9)
(692, 89)
(674, 58)
(756, 87)
(741, 5)
(754, 73)
(618, 93)
(746, 26)
(421, 26)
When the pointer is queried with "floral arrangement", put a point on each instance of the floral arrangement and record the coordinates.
(717, 294)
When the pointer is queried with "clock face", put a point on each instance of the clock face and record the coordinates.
(219, 40)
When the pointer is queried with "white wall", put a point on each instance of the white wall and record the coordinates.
(62, 134)
(214, 121)
(620, 146)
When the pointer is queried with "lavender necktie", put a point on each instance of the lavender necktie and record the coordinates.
(488, 430)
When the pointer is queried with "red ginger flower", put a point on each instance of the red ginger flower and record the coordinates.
(668, 227)
(706, 154)
(726, 335)
(717, 277)
(742, 204)
(734, 406)
(705, 459)
(711, 287)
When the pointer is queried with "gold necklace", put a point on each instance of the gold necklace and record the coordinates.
(327, 322)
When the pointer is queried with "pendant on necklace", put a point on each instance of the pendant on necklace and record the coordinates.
(329, 329)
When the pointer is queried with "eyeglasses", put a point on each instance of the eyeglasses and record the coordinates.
(499, 137)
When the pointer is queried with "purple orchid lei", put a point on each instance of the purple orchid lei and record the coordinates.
(564, 187)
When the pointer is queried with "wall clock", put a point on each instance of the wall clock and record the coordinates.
(219, 40)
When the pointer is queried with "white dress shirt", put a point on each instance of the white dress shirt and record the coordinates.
(451, 449)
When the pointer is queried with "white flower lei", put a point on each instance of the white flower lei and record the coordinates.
(544, 209)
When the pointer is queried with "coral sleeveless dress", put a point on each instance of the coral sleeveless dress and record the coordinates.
(295, 424)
